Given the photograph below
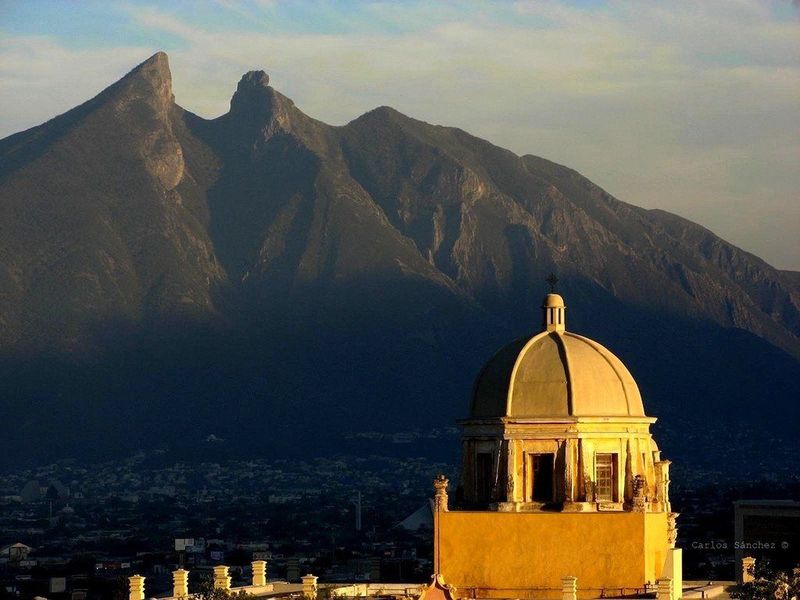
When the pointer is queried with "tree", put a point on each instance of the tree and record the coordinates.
(770, 585)
(206, 591)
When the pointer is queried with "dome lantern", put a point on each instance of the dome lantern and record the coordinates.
(554, 313)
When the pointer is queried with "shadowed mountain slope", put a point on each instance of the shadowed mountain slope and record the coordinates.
(264, 271)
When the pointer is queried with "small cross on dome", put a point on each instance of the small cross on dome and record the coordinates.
(552, 280)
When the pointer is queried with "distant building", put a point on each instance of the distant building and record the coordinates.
(560, 477)
(422, 518)
(15, 553)
(32, 492)
(767, 530)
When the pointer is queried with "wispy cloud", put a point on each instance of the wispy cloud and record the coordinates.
(692, 107)
(41, 78)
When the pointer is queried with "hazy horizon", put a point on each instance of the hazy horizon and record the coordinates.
(691, 108)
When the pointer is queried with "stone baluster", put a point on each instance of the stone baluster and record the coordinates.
(222, 580)
(664, 591)
(310, 586)
(569, 588)
(293, 570)
(259, 572)
(136, 586)
(180, 583)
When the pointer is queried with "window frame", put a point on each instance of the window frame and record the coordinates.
(612, 479)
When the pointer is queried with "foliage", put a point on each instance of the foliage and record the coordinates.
(326, 593)
(120, 588)
(770, 585)
(206, 591)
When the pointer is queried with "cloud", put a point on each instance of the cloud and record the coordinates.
(40, 78)
(686, 106)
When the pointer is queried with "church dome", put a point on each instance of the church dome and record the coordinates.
(555, 374)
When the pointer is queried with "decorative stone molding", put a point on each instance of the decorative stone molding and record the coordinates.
(590, 487)
(570, 460)
(639, 501)
(672, 529)
(437, 590)
(748, 569)
(662, 484)
(440, 498)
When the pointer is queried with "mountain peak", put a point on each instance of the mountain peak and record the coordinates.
(159, 59)
(154, 68)
(253, 94)
(382, 116)
(253, 79)
(259, 108)
(151, 79)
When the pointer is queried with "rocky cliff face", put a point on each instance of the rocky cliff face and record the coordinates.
(276, 265)
(95, 225)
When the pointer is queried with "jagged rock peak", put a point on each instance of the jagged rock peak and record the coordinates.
(150, 78)
(159, 59)
(253, 95)
(253, 79)
(260, 109)
(154, 68)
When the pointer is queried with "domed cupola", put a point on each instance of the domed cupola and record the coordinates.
(555, 374)
(557, 423)
(563, 491)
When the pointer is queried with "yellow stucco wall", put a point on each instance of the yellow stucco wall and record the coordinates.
(523, 555)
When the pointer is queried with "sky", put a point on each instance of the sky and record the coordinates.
(691, 107)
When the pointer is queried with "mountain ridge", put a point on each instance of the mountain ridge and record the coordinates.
(248, 246)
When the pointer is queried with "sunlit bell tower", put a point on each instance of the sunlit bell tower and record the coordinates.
(560, 475)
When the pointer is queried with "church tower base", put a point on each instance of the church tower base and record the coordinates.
(526, 555)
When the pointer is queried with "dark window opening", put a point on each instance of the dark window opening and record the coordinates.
(483, 476)
(542, 473)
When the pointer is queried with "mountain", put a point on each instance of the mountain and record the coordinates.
(280, 282)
